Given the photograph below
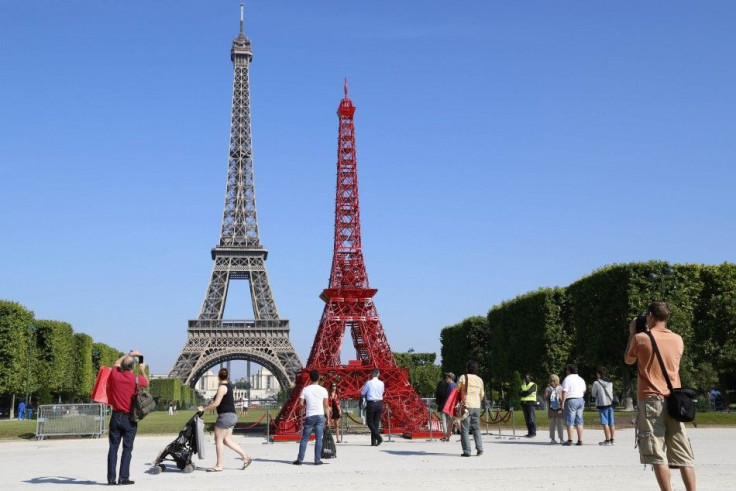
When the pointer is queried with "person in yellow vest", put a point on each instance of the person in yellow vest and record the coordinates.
(528, 394)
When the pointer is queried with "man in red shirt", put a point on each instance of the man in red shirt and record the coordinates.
(120, 390)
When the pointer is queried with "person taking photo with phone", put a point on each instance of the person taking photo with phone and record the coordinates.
(120, 389)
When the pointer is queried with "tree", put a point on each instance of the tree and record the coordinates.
(83, 377)
(242, 383)
(423, 373)
(16, 338)
(54, 358)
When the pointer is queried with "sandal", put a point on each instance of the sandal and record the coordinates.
(246, 463)
(214, 469)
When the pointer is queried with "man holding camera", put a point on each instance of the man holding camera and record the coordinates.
(120, 389)
(662, 440)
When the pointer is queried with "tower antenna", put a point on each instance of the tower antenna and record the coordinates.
(242, 8)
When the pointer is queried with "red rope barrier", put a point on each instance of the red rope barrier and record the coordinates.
(353, 419)
(256, 423)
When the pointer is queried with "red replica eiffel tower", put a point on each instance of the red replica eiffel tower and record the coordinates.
(349, 305)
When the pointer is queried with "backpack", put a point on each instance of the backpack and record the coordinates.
(143, 403)
(554, 401)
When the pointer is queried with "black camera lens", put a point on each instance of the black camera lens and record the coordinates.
(641, 323)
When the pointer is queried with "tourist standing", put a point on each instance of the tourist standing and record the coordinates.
(528, 395)
(224, 402)
(662, 440)
(573, 390)
(472, 392)
(335, 410)
(314, 397)
(444, 387)
(120, 389)
(602, 392)
(553, 397)
(373, 393)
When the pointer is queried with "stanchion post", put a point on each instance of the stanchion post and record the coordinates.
(388, 411)
(342, 423)
(513, 423)
(429, 421)
(268, 427)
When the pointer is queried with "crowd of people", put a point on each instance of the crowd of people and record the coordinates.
(661, 440)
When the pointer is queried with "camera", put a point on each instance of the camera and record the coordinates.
(140, 359)
(641, 323)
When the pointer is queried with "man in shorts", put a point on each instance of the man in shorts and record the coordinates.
(662, 440)
(573, 390)
(602, 392)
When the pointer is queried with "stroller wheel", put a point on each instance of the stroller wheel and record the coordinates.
(189, 468)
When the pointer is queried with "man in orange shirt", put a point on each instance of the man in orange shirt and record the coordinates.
(120, 390)
(662, 440)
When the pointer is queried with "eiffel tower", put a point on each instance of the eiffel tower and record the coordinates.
(349, 305)
(239, 256)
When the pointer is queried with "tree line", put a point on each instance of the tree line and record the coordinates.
(587, 323)
(46, 359)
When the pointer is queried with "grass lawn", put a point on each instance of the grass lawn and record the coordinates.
(160, 423)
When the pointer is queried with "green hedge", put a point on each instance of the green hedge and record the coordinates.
(54, 359)
(165, 390)
(466, 341)
(63, 364)
(529, 335)
(84, 379)
(587, 323)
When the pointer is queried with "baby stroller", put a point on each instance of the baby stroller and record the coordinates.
(181, 450)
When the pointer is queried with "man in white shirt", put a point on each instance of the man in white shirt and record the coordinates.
(573, 389)
(314, 397)
(373, 393)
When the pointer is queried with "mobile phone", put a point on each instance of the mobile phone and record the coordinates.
(140, 359)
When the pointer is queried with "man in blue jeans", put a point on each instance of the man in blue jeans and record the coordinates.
(472, 391)
(120, 390)
(314, 397)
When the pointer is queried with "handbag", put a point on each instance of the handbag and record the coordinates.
(143, 403)
(329, 449)
(460, 411)
(681, 401)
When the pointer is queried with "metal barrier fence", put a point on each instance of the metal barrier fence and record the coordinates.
(71, 420)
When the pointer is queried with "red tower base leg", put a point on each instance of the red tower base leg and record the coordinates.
(404, 411)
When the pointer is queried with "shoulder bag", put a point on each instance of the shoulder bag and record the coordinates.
(143, 403)
(680, 402)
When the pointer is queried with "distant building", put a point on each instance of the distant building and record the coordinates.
(207, 385)
(263, 386)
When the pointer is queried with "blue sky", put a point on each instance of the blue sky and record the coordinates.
(502, 147)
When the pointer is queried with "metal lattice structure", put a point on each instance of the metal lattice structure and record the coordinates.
(349, 306)
(239, 255)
